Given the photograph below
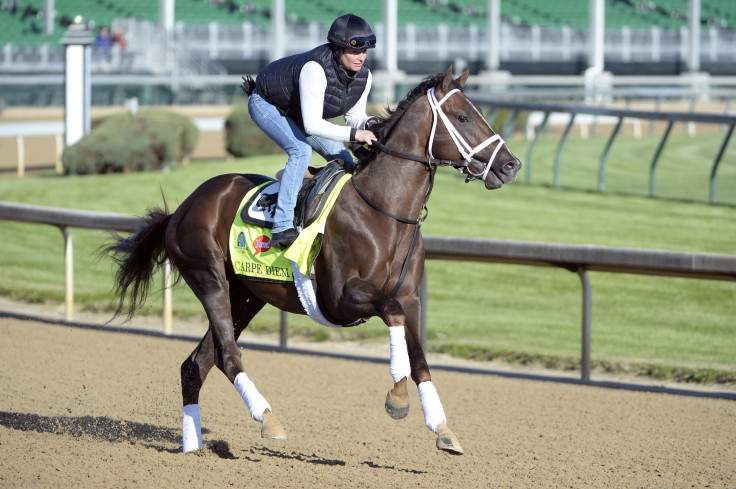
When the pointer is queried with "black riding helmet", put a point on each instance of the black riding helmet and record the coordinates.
(352, 32)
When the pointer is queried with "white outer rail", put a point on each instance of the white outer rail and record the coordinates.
(68, 218)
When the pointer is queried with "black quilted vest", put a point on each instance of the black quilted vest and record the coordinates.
(278, 83)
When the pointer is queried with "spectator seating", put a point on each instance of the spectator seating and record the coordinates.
(21, 22)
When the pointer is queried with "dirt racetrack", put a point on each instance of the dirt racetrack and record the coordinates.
(88, 408)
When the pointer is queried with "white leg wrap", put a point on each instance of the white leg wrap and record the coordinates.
(399, 366)
(191, 428)
(256, 403)
(434, 415)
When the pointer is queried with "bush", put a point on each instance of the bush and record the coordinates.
(243, 138)
(149, 140)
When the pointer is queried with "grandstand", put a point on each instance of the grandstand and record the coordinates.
(214, 38)
(21, 21)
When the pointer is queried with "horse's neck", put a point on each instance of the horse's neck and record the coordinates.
(397, 184)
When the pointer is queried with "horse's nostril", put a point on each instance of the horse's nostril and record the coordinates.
(511, 167)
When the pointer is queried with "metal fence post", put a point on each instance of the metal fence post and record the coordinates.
(604, 156)
(283, 328)
(717, 162)
(586, 325)
(561, 145)
(653, 166)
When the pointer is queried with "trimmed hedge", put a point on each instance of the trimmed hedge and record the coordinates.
(149, 140)
(243, 138)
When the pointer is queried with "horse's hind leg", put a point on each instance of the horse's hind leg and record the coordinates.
(211, 351)
(193, 372)
(244, 306)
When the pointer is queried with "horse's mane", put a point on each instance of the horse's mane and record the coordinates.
(386, 123)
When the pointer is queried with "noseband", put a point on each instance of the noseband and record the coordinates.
(465, 150)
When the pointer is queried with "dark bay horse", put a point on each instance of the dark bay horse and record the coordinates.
(371, 261)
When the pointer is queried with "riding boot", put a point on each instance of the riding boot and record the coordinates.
(284, 239)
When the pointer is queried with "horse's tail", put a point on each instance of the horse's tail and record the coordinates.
(138, 257)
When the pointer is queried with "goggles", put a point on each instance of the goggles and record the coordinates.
(363, 41)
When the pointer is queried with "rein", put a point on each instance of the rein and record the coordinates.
(421, 159)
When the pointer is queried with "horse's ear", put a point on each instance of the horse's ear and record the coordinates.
(445, 85)
(463, 78)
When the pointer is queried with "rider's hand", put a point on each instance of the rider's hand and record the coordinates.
(365, 136)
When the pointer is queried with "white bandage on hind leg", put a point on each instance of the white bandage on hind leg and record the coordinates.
(399, 367)
(434, 415)
(256, 403)
(191, 428)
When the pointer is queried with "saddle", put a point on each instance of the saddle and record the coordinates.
(311, 199)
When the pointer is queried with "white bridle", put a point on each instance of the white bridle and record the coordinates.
(463, 147)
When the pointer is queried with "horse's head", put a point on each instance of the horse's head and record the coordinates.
(459, 128)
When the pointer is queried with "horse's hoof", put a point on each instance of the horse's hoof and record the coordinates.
(447, 441)
(394, 409)
(271, 427)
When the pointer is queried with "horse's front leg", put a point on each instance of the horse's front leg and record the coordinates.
(400, 366)
(434, 414)
(407, 357)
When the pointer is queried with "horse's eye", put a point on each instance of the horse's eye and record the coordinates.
(462, 118)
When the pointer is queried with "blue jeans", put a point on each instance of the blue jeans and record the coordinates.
(285, 133)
